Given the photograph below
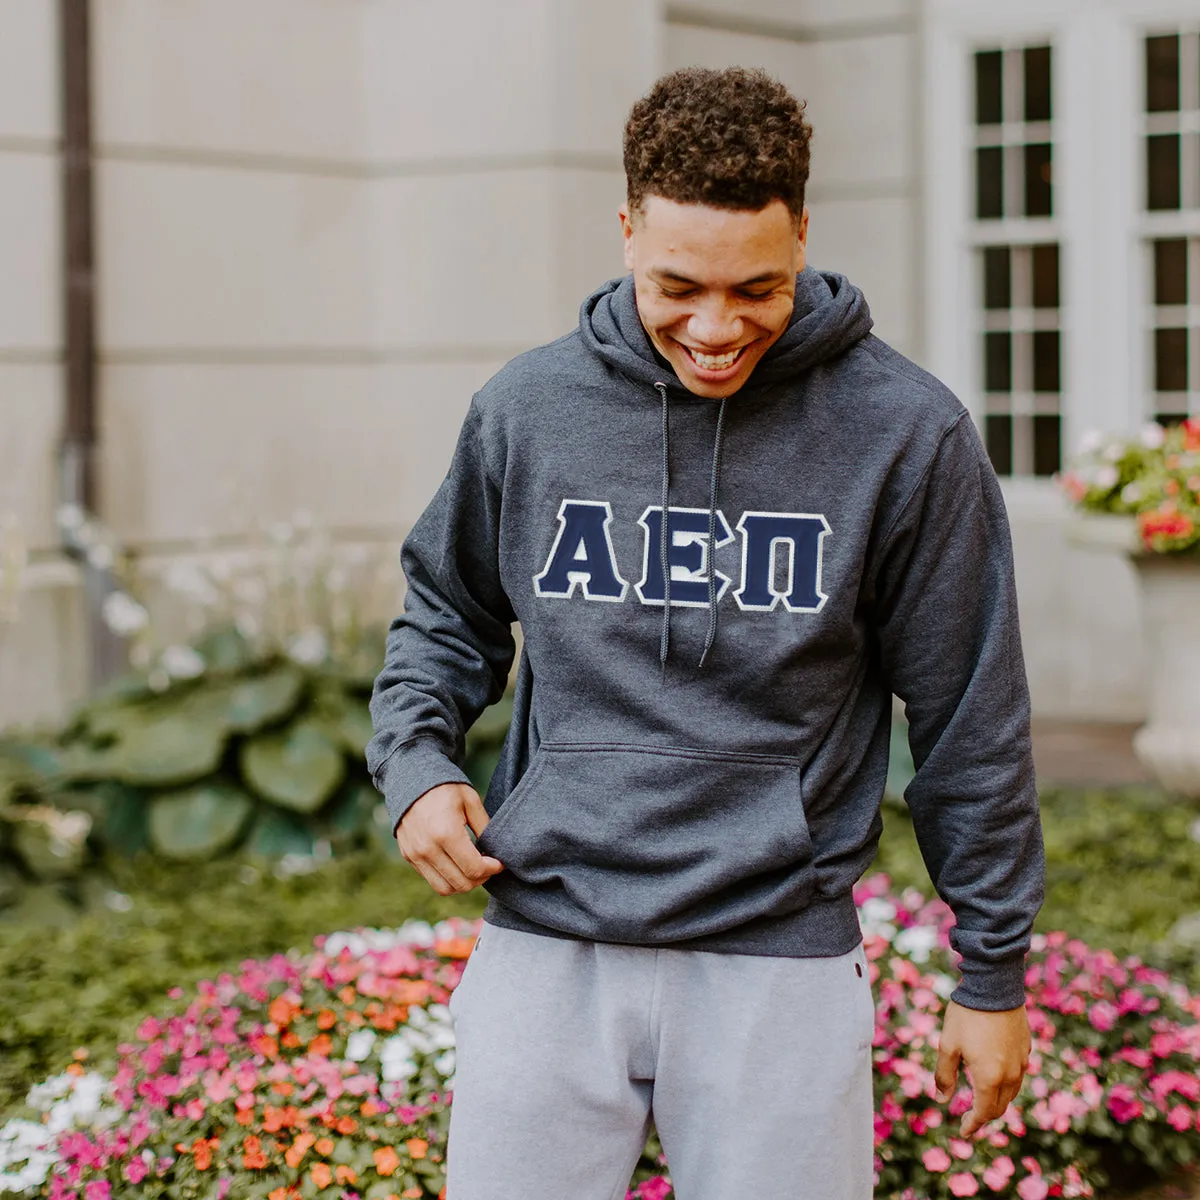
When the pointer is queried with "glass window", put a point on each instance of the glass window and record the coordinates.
(1037, 83)
(989, 87)
(1162, 74)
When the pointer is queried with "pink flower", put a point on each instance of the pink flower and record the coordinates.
(1180, 1117)
(1124, 1105)
(136, 1170)
(1033, 1187)
(936, 1160)
(964, 1184)
(655, 1189)
(961, 1148)
(999, 1173)
(98, 1189)
(1103, 1016)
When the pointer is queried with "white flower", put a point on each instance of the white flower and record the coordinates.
(876, 916)
(189, 581)
(1152, 436)
(70, 516)
(1106, 477)
(395, 1061)
(123, 614)
(117, 901)
(1091, 442)
(1131, 493)
(943, 985)
(308, 648)
(182, 662)
(359, 1043)
(917, 941)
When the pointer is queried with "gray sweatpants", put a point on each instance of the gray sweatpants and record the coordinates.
(756, 1072)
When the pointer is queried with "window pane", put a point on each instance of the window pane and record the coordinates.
(997, 362)
(1047, 445)
(1046, 374)
(1171, 271)
(998, 432)
(989, 182)
(1162, 74)
(997, 277)
(1037, 83)
(1170, 360)
(1045, 276)
(1162, 172)
(1038, 196)
(989, 87)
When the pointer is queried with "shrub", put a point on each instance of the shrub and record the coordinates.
(332, 1071)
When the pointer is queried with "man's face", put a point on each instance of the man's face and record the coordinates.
(714, 286)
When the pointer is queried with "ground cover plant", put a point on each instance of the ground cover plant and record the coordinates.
(329, 1073)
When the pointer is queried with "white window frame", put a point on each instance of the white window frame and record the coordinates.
(1098, 80)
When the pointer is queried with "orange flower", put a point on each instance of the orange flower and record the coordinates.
(298, 1149)
(346, 1174)
(322, 1176)
(347, 995)
(347, 1125)
(321, 1045)
(280, 1193)
(283, 1088)
(201, 1154)
(386, 1160)
(417, 1147)
(459, 947)
(324, 1147)
(411, 1192)
(290, 1040)
(369, 1108)
(282, 1011)
(253, 1157)
(326, 1019)
(268, 1047)
(76, 1069)
(245, 1116)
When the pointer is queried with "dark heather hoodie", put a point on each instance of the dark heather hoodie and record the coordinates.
(861, 549)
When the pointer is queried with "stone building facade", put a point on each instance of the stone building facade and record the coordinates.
(321, 224)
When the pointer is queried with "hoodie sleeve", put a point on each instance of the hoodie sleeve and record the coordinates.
(951, 648)
(448, 655)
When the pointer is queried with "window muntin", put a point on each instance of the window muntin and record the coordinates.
(1018, 259)
(1171, 222)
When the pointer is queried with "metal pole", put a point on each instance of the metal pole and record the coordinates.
(77, 461)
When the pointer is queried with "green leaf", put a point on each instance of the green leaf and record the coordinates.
(298, 768)
(275, 833)
(11, 886)
(352, 813)
(47, 857)
(344, 719)
(151, 750)
(198, 822)
(480, 767)
(119, 815)
(252, 703)
(225, 650)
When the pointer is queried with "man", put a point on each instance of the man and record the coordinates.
(731, 523)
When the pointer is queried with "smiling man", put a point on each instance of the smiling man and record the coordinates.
(732, 523)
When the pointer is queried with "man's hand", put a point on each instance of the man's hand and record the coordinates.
(433, 836)
(994, 1047)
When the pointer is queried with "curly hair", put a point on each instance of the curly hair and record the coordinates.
(734, 138)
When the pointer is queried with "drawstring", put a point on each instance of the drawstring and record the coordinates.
(664, 535)
(712, 535)
(665, 641)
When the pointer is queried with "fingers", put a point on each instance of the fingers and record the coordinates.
(433, 837)
(988, 1104)
(946, 1073)
(476, 814)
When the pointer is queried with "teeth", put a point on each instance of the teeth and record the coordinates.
(714, 362)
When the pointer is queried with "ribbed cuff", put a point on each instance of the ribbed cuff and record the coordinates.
(991, 987)
(410, 771)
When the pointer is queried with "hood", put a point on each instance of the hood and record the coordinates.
(830, 316)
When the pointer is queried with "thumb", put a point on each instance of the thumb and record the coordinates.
(478, 819)
(946, 1073)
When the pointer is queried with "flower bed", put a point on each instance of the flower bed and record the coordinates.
(330, 1075)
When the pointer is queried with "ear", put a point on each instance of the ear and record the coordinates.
(627, 234)
(802, 241)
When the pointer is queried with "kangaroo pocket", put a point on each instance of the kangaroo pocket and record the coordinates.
(651, 844)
